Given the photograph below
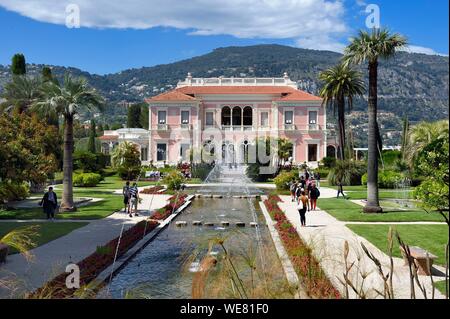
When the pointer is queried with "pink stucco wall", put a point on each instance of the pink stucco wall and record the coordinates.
(299, 137)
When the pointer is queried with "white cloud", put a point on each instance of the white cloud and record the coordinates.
(320, 42)
(312, 23)
(423, 50)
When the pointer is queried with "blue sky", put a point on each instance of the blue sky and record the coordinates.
(115, 35)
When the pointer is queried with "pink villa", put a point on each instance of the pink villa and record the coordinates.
(231, 113)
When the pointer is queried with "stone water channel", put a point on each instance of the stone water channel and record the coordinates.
(166, 267)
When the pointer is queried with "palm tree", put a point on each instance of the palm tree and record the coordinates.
(421, 135)
(342, 83)
(20, 93)
(370, 47)
(67, 100)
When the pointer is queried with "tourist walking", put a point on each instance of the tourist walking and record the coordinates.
(292, 189)
(340, 190)
(302, 182)
(126, 197)
(49, 203)
(134, 200)
(301, 207)
(314, 194)
(317, 177)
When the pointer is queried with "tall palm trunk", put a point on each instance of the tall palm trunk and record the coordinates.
(373, 203)
(341, 123)
(67, 196)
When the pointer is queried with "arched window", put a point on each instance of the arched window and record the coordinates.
(226, 116)
(331, 151)
(237, 116)
(248, 116)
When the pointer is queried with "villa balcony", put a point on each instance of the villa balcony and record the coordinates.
(289, 127)
(163, 127)
(186, 127)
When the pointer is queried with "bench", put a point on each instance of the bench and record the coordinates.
(4, 250)
(419, 256)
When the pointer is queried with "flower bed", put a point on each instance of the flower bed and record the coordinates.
(175, 202)
(314, 279)
(93, 265)
(152, 190)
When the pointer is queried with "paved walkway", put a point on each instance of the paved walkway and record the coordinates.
(326, 236)
(50, 259)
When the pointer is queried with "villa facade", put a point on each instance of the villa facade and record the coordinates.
(231, 113)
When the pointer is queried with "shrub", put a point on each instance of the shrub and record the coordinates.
(127, 173)
(173, 180)
(253, 172)
(329, 162)
(201, 170)
(284, 178)
(348, 172)
(390, 157)
(10, 191)
(323, 171)
(386, 179)
(86, 179)
(90, 162)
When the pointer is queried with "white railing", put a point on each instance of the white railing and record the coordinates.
(221, 81)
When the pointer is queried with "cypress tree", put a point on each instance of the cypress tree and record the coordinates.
(18, 64)
(134, 116)
(144, 116)
(92, 137)
(100, 129)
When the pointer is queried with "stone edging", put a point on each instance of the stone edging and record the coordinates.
(288, 268)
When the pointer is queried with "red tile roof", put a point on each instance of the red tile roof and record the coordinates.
(186, 93)
(174, 95)
(108, 137)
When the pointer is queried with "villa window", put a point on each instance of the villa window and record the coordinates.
(226, 116)
(248, 116)
(264, 120)
(161, 152)
(144, 154)
(237, 116)
(184, 117)
(162, 117)
(289, 117)
(313, 119)
(209, 119)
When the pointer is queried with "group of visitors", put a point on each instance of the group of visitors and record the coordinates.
(131, 199)
(305, 193)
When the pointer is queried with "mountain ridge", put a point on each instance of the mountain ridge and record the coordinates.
(410, 84)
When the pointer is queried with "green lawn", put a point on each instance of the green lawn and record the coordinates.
(46, 233)
(345, 210)
(430, 237)
(440, 285)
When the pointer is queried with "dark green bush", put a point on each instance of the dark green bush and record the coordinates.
(128, 173)
(201, 170)
(386, 179)
(329, 162)
(89, 162)
(348, 172)
(86, 179)
(253, 172)
(10, 191)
